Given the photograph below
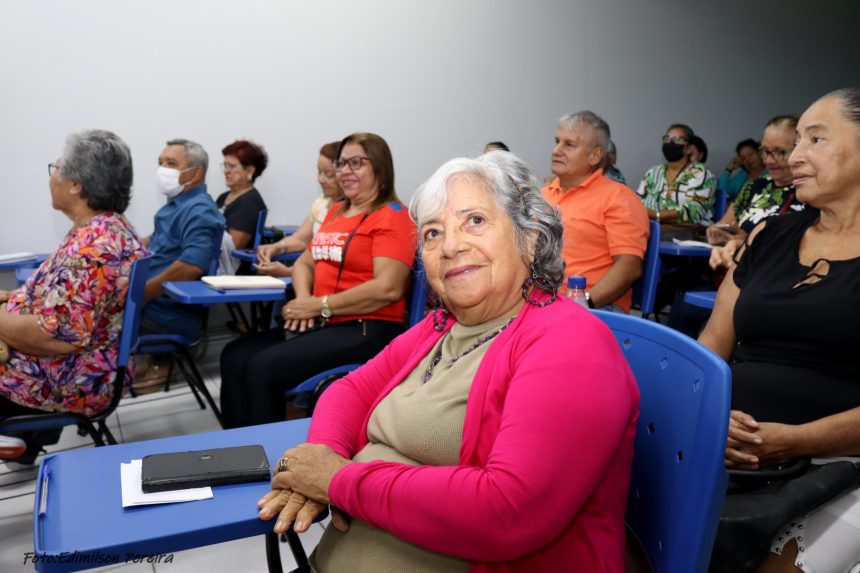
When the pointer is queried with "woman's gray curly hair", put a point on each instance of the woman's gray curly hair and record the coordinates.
(517, 191)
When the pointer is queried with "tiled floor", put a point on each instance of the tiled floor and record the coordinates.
(145, 417)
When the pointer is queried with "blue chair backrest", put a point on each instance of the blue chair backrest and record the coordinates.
(678, 481)
(645, 289)
(416, 298)
(258, 232)
(130, 334)
(720, 206)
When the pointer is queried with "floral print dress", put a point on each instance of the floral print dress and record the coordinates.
(763, 198)
(78, 295)
(691, 194)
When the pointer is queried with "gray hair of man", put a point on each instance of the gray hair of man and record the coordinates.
(101, 163)
(573, 121)
(194, 153)
(516, 190)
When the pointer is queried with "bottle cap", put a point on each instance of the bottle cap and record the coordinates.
(576, 281)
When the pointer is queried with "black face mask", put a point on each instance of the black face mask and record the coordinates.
(673, 151)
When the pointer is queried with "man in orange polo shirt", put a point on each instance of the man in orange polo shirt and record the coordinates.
(605, 224)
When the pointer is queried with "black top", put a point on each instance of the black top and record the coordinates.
(241, 214)
(797, 358)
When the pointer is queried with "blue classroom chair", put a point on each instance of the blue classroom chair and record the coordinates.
(96, 426)
(645, 289)
(258, 231)
(678, 481)
(234, 308)
(177, 347)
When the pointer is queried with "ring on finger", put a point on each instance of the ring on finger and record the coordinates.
(282, 465)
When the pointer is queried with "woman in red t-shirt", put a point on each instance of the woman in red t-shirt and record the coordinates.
(350, 289)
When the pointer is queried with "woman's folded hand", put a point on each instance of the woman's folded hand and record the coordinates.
(753, 444)
(309, 470)
(290, 507)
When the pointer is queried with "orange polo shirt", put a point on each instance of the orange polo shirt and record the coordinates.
(602, 219)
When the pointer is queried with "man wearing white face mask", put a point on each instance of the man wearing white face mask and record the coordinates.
(187, 236)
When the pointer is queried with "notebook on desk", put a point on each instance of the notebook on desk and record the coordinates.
(229, 282)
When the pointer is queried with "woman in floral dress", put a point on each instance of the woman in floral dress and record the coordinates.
(63, 325)
(678, 191)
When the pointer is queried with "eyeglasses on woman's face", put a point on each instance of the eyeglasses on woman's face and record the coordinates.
(230, 166)
(354, 163)
(777, 154)
(675, 139)
(53, 168)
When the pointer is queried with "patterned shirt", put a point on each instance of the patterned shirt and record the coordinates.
(319, 209)
(763, 198)
(691, 194)
(78, 295)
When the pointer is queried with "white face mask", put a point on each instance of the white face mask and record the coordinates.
(167, 181)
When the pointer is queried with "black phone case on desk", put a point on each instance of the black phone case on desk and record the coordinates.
(219, 466)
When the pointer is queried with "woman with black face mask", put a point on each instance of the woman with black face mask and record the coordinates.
(678, 191)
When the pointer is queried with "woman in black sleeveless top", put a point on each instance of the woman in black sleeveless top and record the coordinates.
(787, 318)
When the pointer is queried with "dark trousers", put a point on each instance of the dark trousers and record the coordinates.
(257, 369)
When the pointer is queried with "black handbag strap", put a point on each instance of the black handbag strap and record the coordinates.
(345, 247)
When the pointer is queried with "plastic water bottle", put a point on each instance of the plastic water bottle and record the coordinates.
(576, 290)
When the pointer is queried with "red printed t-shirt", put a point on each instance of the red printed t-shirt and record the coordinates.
(602, 219)
(387, 232)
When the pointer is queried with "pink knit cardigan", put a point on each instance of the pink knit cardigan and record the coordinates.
(546, 453)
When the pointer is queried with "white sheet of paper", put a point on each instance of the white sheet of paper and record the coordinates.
(692, 244)
(229, 282)
(133, 495)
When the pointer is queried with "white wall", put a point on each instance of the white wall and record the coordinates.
(436, 78)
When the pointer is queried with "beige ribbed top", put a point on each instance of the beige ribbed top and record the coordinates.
(417, 424)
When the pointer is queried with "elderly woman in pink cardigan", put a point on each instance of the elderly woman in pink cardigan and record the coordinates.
(497, 434)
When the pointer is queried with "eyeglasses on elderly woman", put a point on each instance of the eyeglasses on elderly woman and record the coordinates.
(778, 154)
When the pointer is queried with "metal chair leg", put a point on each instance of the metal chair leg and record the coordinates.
(105, 431)
(94, 434)
(191, 382)
(201, 385)
(238, 315)
(273, 553)
(297, 549)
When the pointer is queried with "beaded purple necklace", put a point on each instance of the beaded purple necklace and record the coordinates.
(428, 374)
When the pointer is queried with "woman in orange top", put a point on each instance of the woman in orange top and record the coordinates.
(350, 289)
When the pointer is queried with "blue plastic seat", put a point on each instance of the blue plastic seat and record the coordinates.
(177, 347)
(258, 231)
(678, 481)
(96, 426)
(645, 289)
